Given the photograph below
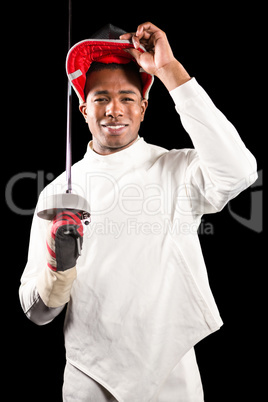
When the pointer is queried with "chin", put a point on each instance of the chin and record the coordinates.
(117, 141)
(106, 144)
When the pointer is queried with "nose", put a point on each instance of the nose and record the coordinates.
(114, 109)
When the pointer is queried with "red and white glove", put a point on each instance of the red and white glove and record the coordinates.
(64, 240)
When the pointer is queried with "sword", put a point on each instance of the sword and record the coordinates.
(51, 205)
(69, 113)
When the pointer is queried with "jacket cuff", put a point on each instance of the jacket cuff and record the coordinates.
(185, 92)
(54, 288)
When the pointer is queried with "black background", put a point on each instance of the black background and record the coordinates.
(224, 49)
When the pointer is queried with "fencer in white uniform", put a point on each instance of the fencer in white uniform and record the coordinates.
(138, 297)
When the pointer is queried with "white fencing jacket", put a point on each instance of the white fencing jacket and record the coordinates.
(141, 298)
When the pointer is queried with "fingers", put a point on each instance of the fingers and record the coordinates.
(127, 36)
(131, 36)
(146, 29)
(143, 35)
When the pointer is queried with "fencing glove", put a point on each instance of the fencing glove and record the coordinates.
(64, 242)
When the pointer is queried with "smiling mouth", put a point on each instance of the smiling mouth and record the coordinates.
(114, 126)
(114, 129)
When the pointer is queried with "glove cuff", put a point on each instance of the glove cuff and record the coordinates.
(54, 288)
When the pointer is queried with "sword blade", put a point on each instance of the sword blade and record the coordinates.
(69, 114)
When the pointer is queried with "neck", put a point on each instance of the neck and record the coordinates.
(107, 150)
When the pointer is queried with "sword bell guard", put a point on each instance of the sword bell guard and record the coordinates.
(48, 207)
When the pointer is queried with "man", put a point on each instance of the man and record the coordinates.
(138, 296)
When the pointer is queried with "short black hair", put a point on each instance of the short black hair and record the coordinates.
(131, 66)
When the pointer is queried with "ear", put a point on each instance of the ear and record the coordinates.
(144, 105)
(83, 110)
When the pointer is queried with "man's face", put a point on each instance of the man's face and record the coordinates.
(113, 109)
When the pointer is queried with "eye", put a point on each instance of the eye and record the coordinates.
(100, 100)
(127, 100)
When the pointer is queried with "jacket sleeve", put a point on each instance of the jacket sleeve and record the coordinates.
(220, 166)
(31, 302)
